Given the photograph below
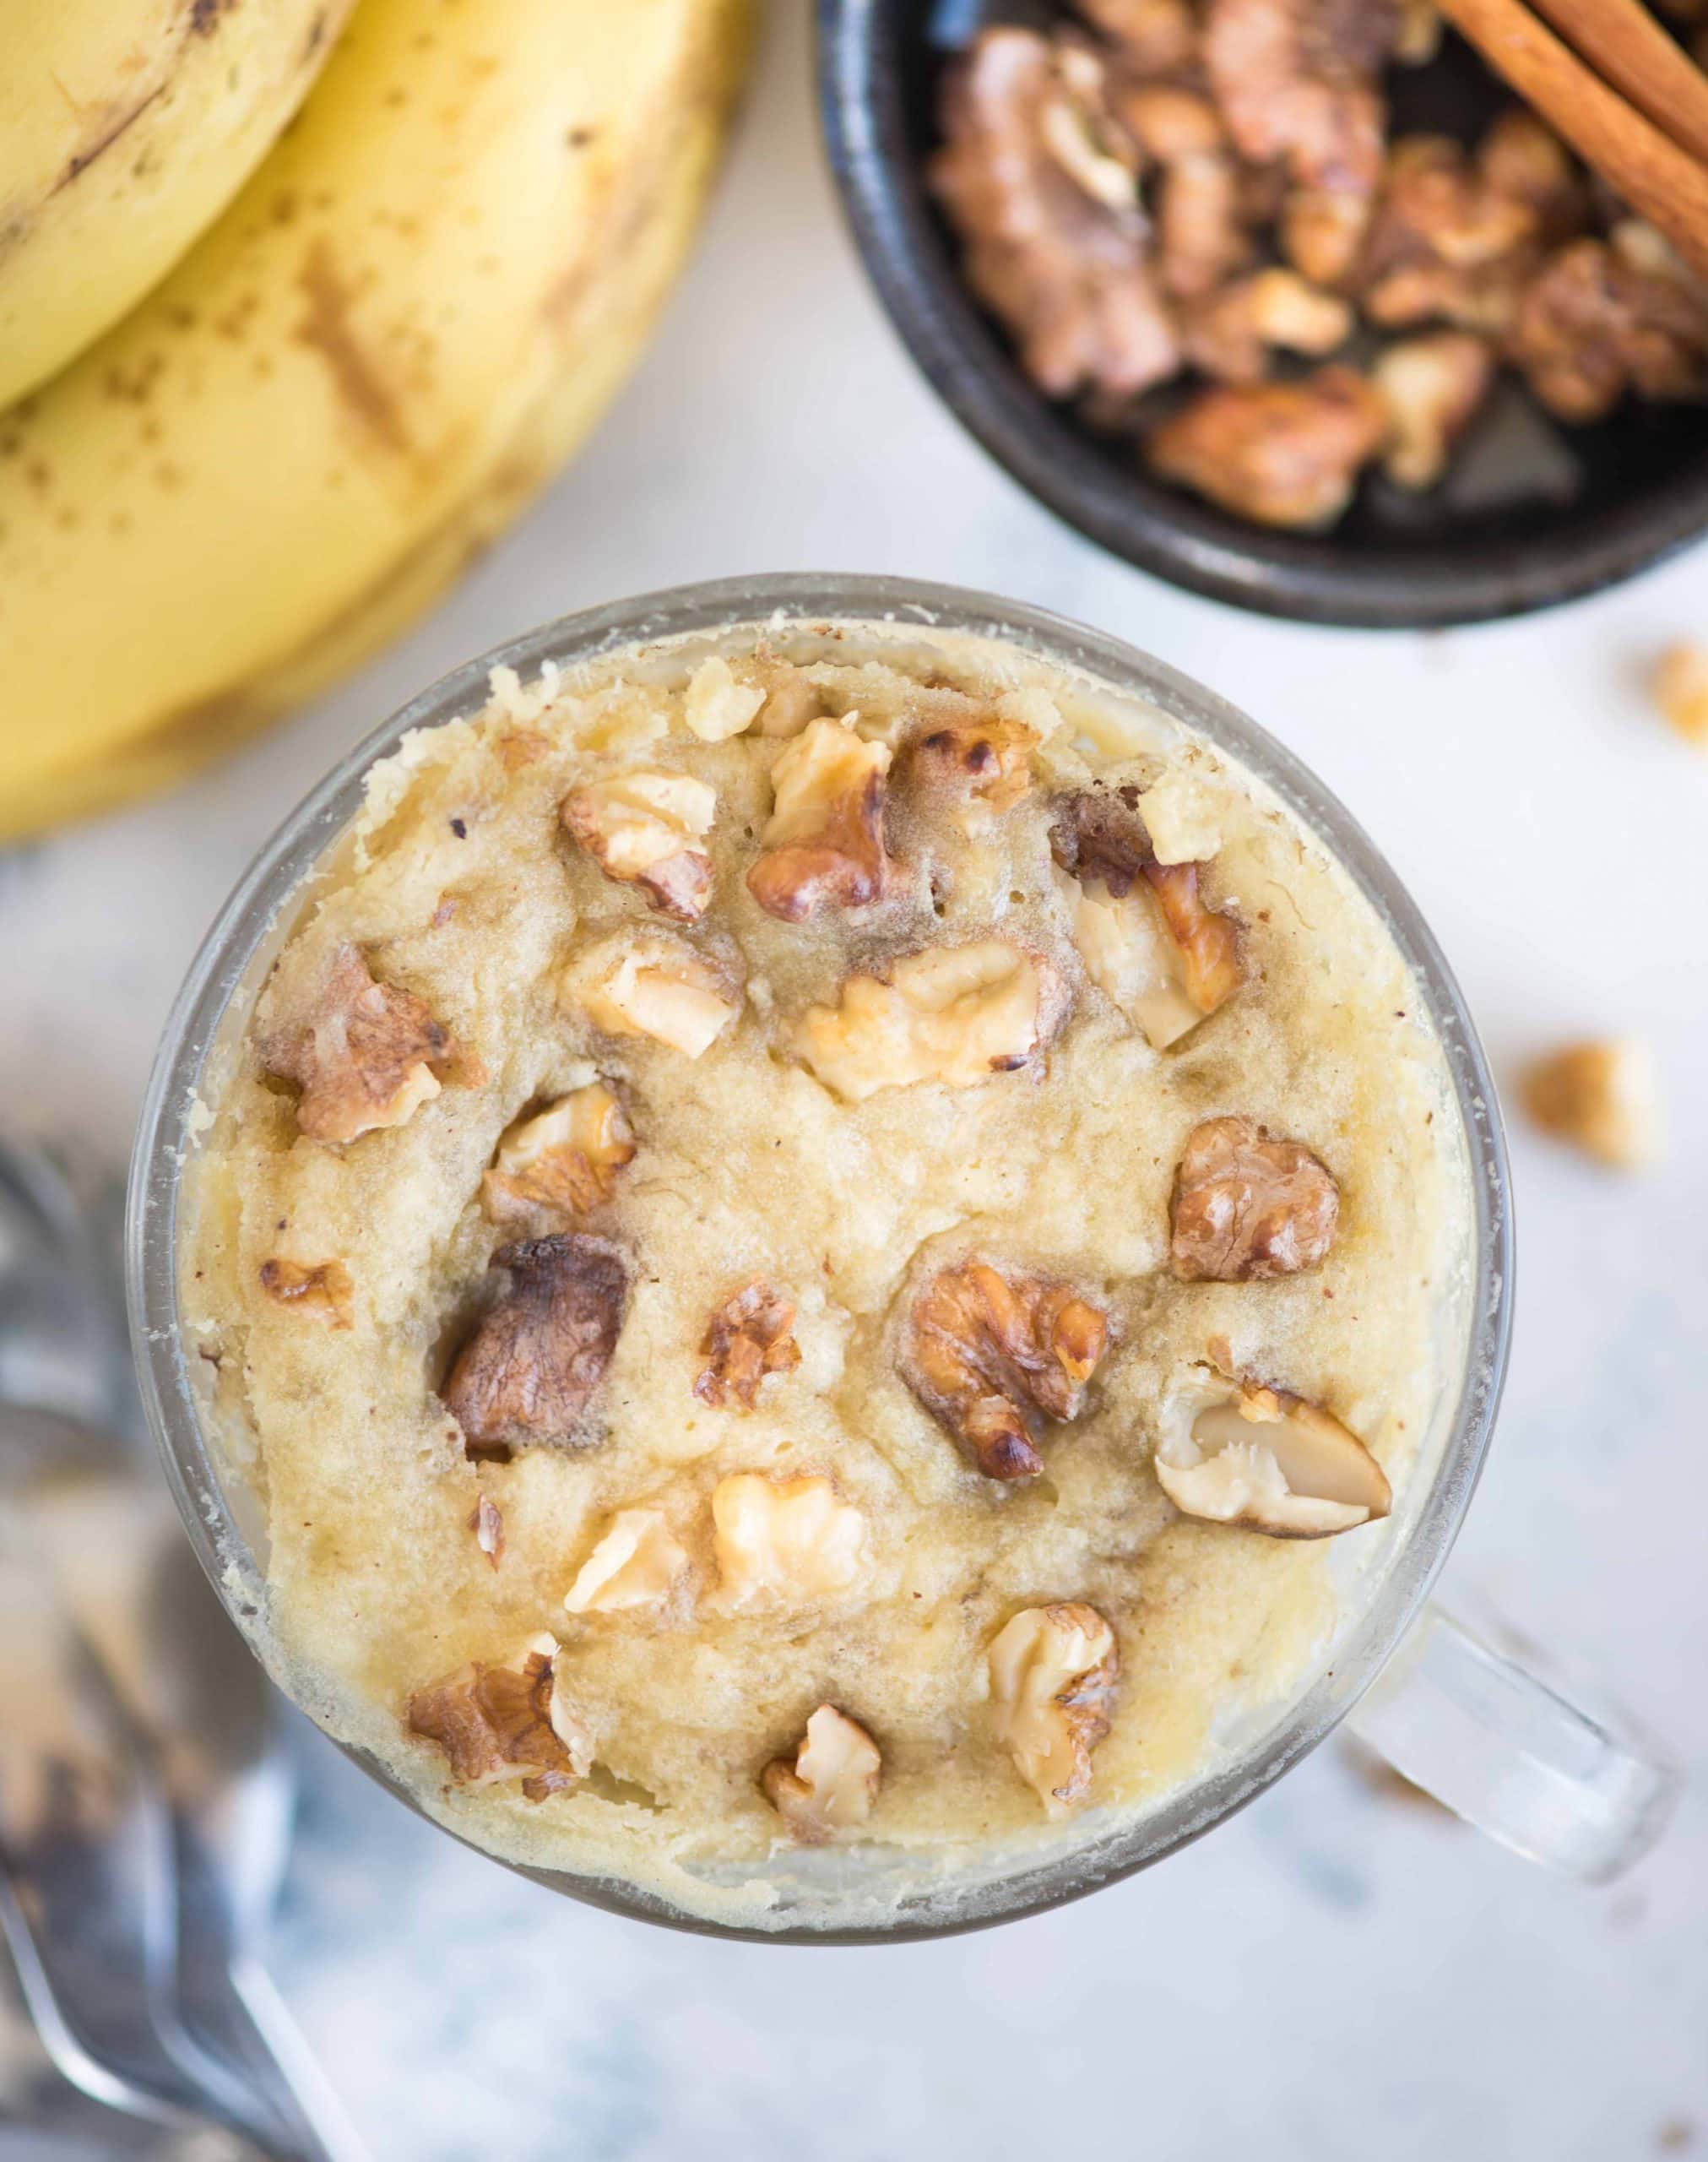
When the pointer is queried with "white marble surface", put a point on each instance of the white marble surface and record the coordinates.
(1333, 1975)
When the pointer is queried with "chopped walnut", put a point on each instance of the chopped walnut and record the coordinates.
(323, 1289)
(1236, 1451)
(529, 1370)
(992, 1357)
(785, 1539)
(1284, 454)
(487, 1524)
(955, 1014)
(832, 1782)
(751, 1335)
(563, 1161)
(368, 1054)
(1147, 936)
(1594, 324)
(1418, 38)
(1432, 387)
(1053, 1675)
(1232, 333)
(1247, 1206)
(639, 828)
(1203, 237)
(1153, 37)
(985, 764)
(652, 986)
(635, 1563)
(1450, 239)
(1599, 1096)
(715, 705)
(1521, 157)
(1295, 80)
(824, 841)
(508, 1721)
(1681, 690)
(1203, 232)
(1067, 273)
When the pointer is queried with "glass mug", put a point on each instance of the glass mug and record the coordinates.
(1541, 1766)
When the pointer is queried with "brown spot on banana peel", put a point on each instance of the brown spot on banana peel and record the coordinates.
(360, 385)
(82, 161)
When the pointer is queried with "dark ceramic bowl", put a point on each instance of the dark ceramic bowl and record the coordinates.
(1530, 516)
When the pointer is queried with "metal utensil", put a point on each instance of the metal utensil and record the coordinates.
(178, 1732)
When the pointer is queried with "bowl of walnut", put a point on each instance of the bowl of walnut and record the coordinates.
(1289, 301)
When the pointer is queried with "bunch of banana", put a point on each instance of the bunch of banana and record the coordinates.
(368, 362)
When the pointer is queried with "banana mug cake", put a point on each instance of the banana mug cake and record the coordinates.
(822, 1243)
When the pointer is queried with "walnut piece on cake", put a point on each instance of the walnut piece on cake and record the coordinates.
(529, 1370)
(365, 1055)
(636, 1561)
(784, 1539)
(1052, 1673)
(640, 829)
(832, 1781)
(824, 840)
(955, 1014)
(1240, 1452)
(655, 985)
(324, 1291)
(506, 1720)
(1247, 1205)
(986, 762)
(1148, 939)
(751, 1335)
(992, 1357)
(560, 1161)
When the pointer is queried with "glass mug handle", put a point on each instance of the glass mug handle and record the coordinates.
(1548, 1765)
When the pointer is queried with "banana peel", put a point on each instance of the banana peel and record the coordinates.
(125, 126)
(370, 365)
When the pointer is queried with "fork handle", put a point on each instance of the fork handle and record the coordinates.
(320, 2127)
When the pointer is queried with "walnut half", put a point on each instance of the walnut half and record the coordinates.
(505, 1721)
(1247, 1206)
(528, 1370)
(832, 1784)
(368, 1054)
(1053, 1675)
(751, 1335)
(992, 1357)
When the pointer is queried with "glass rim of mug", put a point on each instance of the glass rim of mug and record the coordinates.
(264, 899)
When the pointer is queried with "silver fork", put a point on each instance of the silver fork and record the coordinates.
(177, 1729)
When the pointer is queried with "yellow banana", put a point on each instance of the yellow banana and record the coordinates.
(125, 126)
(417, 307)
